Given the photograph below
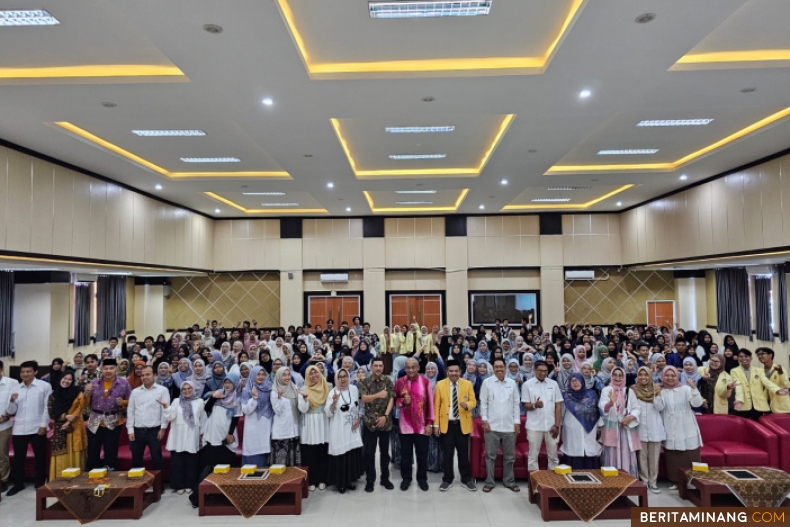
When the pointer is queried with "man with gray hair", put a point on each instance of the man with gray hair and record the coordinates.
(414, 397)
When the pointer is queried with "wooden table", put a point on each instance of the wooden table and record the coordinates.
(706, 493)
(129, 506)
(287, 501)
(553, 507)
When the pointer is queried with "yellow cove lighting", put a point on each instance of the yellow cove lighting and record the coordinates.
(730, 59)
(98, 141)
(238, 207)
(95, 70)
(569, 206)
(470, 65)
(415, 172)
(670, 167)
(451, 208)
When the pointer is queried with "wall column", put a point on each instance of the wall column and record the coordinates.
(149, 311)
(41, 322)
(691, 305)
(291, 282)
(457, 293)
(552, 281)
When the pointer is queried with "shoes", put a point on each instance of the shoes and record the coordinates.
(654, 489)
(180, 492)
(322, 486)
(423, 485)
(469, 485)
(174, 491)
(16, 489)
(387, 484)
(445, 486)
(351, 486)
(341, 490)
(311, 488)
(187, 491)
(674, 486)
(369, 486)
(404, 485)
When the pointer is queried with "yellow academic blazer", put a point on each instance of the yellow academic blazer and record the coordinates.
(721, 394)
(780, 404)
(442, 402)
(753, 392)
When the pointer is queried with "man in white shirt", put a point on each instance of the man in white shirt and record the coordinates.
(542, 399)
(30, 425)
(115, 350)
(8, 387)
(145, 419)
(501, 416)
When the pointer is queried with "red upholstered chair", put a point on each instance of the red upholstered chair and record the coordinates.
(30, 460)
(741, 441)
(780, 425)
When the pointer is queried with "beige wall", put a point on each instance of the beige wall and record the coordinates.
(246, 245)
(149, 312)
(41, 322)
(745, 211)
(414, 242)
(503, 241)
(56, 211)
(591, 239)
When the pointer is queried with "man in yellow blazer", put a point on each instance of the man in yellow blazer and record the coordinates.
(780, 404)
(752, 385)
(454, 400)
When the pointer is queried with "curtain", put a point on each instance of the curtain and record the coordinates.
(732, 301)
(82, 314)
(6, 314)
(782, 301)
(110, 306)
(762, 307)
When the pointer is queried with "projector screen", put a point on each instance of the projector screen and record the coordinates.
(486, 307)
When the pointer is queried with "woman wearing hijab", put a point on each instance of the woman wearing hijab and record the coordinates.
(200, 374)
(704, 342)
(223, 408)
(123, 368)
(217, 379)
(651, 426)
(730, 353)
(527, 368)
(285, 424)
(265, 360)
(187, 416)
(256, 406)
(55, 373)
(135, 378)
(620, 413)
(690, 373)
(579, 357)
(564, 371)
(470, 374)
(342, 406)
(364, 355)
(225, 356)
(315, 427)
(603, 353)
(684, 440)
(163, 376)
(715, 386)
(591, 382)
(582, 417)
(183, 373)
(69, 440)
(659, 362)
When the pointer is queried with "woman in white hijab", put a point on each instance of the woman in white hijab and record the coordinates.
(285, 425)
(342, 406)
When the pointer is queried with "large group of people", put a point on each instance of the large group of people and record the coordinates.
(330, 397)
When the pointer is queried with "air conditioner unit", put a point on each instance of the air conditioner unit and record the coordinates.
(334, 277)
(580, 275)
(759, 270)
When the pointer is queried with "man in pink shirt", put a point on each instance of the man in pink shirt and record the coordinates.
(414, 397)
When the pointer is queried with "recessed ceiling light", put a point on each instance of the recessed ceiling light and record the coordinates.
(631, 152)
(749, 89)
(264, 193)
(211, 160)
(675, 122)
(418, 129)
(279, 204)
(402, 157)
(307, 155)
(645, 18)
(37, 17)
(684, 177)
(428, 99)
(550, 200)
(568, 188)
(267, 101)
(619, 203)
(481, 207)
(504, 181)
(348, 209)
(330, 185)
(415, 192)
(429, 9)
(415, 202)
(169, 133)
(532, 151)
(584, 94)
(214, 29)
(158, 186)
(216, 210)
(109, 104)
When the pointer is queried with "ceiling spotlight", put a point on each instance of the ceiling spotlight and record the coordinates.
(216, 210)
(348, 209)
(158, 186)
(109, 104)
(428, 99)
(330, 185)
(619, 203)
(532, 151)
(307, 155)
(584, 94)
(504, 181)
(214, 29)
(644, 18)
(684, 177)
(750, 89)
(481, 207)
(267, 101)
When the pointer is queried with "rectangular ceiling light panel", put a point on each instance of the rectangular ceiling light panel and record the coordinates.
(211, 160)
(415, 202)
(418, 129)
(675, 122)
(402, 157)
(279, 204)
(264, 193)
(27, 18)
(428, 9)
(415, 192)
(169, 133)
(550, 200)
(568, 188)
(631, 152)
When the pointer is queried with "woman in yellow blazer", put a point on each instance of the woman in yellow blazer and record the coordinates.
(454, 433)
(716, 386)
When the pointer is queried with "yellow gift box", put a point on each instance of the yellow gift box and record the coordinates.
(136, 472)
(221, 469)
(70, 472)
(562, 469)
(249, 469)
(97, 473)
(276, 469)
(699, 467)
(609, 471)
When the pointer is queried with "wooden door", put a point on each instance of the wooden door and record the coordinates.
(427, 309)
(338, 308)
(661, 313)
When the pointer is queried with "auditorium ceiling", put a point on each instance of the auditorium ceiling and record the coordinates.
(271, 108)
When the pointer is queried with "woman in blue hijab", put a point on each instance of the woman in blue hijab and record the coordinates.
(582, 416)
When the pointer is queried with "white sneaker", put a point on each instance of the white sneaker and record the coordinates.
(654, 489)
(674, 486)
(311, 488)
(188, 492)
(181, 491)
